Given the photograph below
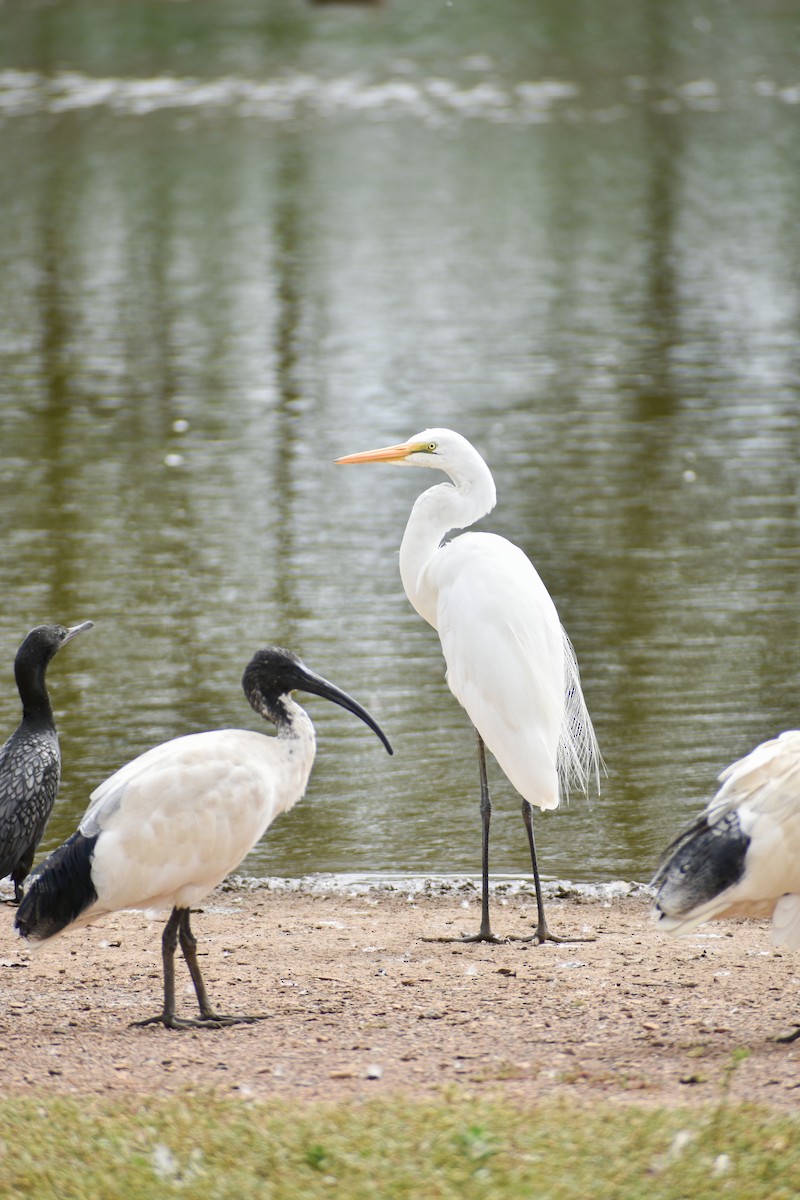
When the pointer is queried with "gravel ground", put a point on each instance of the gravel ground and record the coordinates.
(357, 1003)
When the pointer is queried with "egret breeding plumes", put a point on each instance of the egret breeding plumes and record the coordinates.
(30, 761)
(509, 661)
(170, 825)
(741, 856)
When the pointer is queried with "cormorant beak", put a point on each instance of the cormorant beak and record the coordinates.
(309, 681)
(77, 629)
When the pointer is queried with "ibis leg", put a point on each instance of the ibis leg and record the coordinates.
(189, 950)
(169, 943)
(177, 929)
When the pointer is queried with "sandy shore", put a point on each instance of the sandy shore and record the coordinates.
(357, 1003)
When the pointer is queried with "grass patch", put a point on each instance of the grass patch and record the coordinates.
(453, 1146)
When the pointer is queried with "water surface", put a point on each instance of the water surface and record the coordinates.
(241, 240)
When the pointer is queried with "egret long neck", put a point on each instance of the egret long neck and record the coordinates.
(447, 506)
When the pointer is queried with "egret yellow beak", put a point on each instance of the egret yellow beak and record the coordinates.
(385, 454)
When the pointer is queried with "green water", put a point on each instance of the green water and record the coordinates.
(240, 239)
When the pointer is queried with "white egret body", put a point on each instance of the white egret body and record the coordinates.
(741, 857)
(167, 827)
(509, 661)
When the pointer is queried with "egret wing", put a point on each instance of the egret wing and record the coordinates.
(503, 645)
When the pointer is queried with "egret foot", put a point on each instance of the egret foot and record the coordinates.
(212, 1021)
(481, 936)
(542, 934)
(789, 1037)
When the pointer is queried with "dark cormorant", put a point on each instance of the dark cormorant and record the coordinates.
(30, 761)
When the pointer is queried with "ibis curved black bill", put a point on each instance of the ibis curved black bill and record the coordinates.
(309, 681)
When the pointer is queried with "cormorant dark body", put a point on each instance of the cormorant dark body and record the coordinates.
(30, 761)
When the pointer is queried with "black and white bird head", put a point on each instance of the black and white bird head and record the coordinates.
(274, 673)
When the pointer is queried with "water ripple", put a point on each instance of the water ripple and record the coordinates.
(434, 100)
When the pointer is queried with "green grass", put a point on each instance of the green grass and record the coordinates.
(453, 1146)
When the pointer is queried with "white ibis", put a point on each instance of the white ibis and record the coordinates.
(741, 856)
(170, 825)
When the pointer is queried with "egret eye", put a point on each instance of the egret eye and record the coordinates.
(431, 446)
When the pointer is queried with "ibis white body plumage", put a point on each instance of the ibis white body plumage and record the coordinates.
(178, 819)
(741, 857)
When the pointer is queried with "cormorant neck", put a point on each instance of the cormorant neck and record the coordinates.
(33, 693)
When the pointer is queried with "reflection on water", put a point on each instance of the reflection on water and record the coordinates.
(237, 246)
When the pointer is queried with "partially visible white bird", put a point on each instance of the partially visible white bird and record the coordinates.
(170, 825)
(741, 857)
(509, 661)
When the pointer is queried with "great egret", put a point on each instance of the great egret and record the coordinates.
(741, 856)
(30, 761)
(509, 661)
(170, 825)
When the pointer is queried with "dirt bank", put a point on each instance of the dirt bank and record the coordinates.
(358, 1003)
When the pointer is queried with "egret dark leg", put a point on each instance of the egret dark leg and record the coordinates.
(178, 928)
(541, 933)
(789, 1037)
(484, 934)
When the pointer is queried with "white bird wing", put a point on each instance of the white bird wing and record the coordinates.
(107, 796)
(763, 784)
(175, 821)
(505, 654)
(763, 791)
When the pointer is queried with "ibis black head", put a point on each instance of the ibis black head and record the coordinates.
(273, 673)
